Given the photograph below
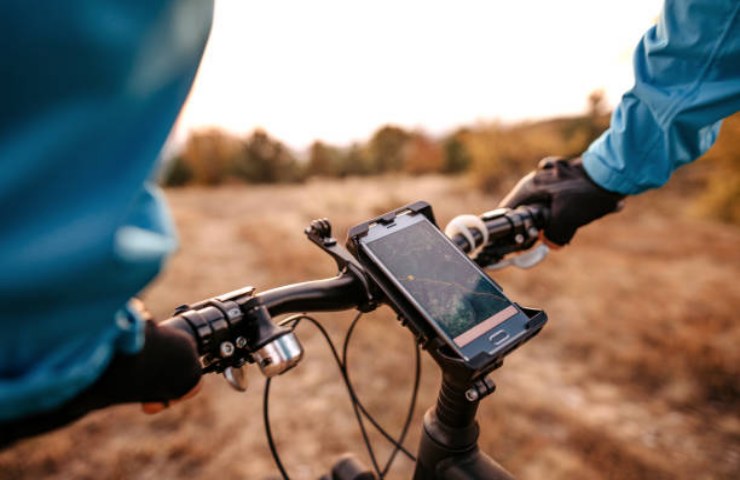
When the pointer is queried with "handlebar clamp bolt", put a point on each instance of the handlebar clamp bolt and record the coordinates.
(481, 388)
(519, 238)
(241, 342)
(472, 394)
(226, 349)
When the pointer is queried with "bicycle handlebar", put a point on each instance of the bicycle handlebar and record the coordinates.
(234, 328)
(504, 225)
(237, 327)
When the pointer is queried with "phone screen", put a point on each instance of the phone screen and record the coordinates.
(444, 283)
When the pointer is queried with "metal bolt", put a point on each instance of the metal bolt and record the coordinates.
(519, 238)
(472, 394)
(226, 349)
(533, 232)
(241, 342)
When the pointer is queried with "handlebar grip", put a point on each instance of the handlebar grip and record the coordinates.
(540, 214)
(227, 317)
(508, 230)
(179, 323)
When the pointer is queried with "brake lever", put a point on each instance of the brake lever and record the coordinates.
(524, 260)
(236, 378)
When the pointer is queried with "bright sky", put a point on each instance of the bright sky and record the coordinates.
(336, 70)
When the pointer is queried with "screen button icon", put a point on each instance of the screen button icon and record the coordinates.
(499, 337)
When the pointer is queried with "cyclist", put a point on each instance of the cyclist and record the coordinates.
(687, 79)
(91, 90)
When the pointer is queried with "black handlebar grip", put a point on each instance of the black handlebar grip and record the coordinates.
(179, 323)
(540, 214)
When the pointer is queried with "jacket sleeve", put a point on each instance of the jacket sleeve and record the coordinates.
(687, 79)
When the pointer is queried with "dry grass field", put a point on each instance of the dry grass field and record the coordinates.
(636, 376)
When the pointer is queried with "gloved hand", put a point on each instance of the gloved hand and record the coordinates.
(167, 368)
(573, 198)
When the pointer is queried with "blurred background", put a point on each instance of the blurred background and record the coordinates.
(335, 109)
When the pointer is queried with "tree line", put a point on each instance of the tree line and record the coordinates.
(492, 152)
(213, 157)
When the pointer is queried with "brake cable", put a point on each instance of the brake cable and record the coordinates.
(398, 443)
(357, 405)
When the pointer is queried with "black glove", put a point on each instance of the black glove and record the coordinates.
(165, 369)
(573, 198)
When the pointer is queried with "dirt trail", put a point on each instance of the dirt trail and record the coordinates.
(636, 375)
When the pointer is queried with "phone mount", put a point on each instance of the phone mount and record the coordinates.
(470, 374)
(448, 446)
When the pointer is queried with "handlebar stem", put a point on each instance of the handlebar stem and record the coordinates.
(449, 444)
(453, 408)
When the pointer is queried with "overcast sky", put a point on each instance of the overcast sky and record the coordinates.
(337, 69)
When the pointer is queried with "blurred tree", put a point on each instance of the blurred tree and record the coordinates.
(598, 116)
(265, 160)
(176, 172)
(492, 150)
(578, 132)
(596, 104)
(456, 156)
(355, 161)
(386, 149)
(500, 154)
(208, 155)
(721, 198)
(319, 160)
(325, 160)
(422, 155)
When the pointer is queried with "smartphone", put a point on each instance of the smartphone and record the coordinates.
(412, 258)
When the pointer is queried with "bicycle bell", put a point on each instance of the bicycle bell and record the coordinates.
(276, 349)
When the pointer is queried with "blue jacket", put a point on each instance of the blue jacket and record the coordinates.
(687, 79)
(90, 90)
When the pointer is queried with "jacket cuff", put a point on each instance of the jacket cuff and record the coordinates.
(607, 178)
(130, 323)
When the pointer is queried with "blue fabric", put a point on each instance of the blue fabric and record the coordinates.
(687, 79)
(90, 89)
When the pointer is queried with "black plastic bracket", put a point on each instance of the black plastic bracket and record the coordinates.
(467, 374)
(319, 232)
(361, 230)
